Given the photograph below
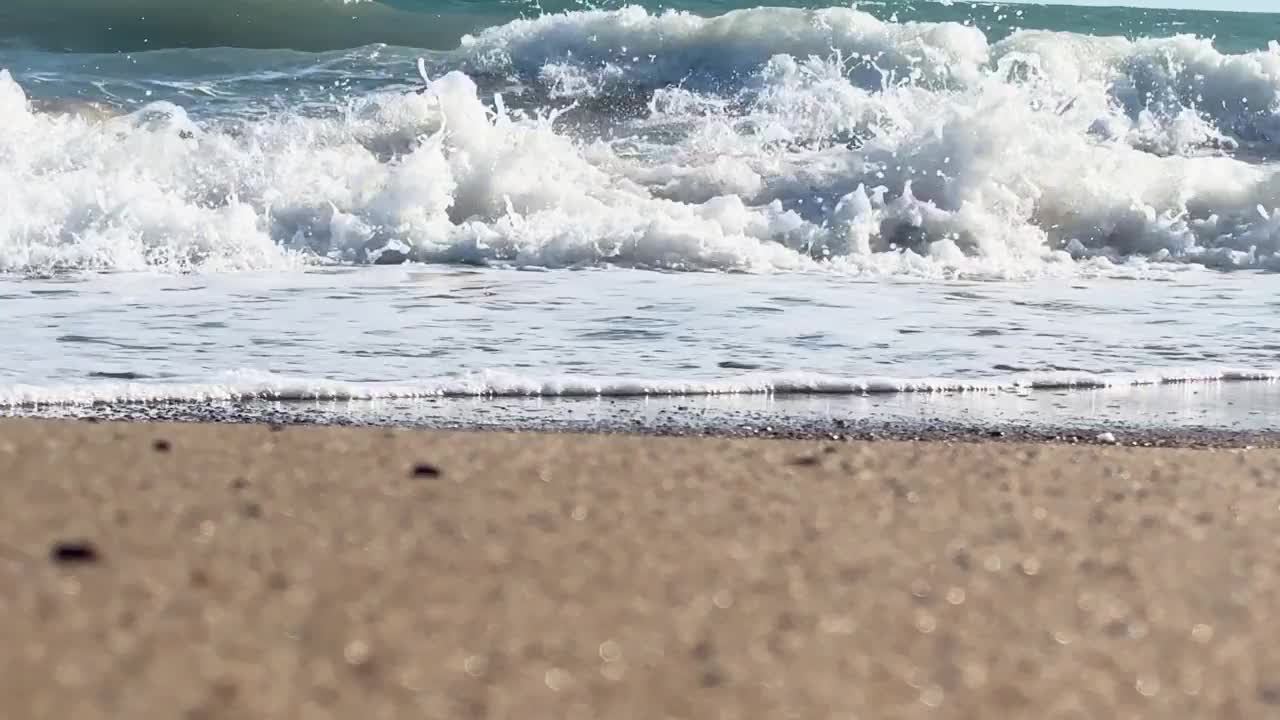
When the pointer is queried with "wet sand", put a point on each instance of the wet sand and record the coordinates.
(236, 571)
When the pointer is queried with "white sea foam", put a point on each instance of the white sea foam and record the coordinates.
(1162, 77)
(251, 385)
(773, 140)
(634, 46)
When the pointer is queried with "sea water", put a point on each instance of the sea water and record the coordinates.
(329, 200)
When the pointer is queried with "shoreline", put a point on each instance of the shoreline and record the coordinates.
(159, 570)
(723, 418)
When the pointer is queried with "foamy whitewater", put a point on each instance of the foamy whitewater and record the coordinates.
(779, 200)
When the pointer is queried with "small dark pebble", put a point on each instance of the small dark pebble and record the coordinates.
(69, 552)
(703, 651)
(239, 484)
(225, 691)
(1269, 694)
(1116, 628)
(276, 427)
(199, 578)
(712, 679)
(425, 470)
(162, 445)
(805, 460)
(251, 510)
(995, 433)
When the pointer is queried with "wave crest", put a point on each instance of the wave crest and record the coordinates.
(762, 139)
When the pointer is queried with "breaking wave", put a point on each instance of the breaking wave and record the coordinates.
(757, 140)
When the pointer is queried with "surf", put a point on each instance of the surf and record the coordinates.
(106, 26)
(756, 140)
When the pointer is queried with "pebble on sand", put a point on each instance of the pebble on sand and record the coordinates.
(426, 470)
(69, 552)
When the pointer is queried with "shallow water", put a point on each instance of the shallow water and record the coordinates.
(408, 331)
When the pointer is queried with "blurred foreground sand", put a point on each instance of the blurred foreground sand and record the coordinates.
(212, 571)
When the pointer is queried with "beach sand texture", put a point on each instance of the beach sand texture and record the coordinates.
(154, 571)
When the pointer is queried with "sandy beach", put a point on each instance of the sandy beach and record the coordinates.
(210, 571)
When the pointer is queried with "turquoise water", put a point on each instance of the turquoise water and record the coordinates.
(134, 25)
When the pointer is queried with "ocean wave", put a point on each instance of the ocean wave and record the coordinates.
(1151, 82)
(108, 26)
(635, 46)
(257, 386)
(812, 140)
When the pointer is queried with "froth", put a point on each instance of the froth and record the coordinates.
(633, 46)
(767, 139)
(253, 385)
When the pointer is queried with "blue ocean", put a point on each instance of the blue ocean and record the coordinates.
(940, 209)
